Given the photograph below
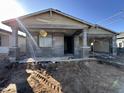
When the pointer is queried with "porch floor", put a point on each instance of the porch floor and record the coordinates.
(53, 59)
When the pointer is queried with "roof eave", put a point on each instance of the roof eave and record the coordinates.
(106, 29)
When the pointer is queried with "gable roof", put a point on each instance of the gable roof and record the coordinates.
(61, 13)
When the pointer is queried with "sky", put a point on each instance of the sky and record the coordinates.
(10, 9)
(108, 13)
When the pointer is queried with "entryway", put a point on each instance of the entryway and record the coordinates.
(68, 44)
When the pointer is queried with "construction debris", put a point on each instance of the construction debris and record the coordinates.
(40, 81)
(11, 88)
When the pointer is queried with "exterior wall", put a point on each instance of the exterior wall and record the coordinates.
(4, 48)
(101, 46)
(120, 41)
(58, 44)
(56, 50)
(6, 42)
(22, 44)
(4, 39)
(120, 45)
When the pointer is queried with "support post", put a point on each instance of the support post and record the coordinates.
(76, 46)
(14, 50)
(114, 46)
(85, 48)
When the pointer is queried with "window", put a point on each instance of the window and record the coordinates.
(45, 41)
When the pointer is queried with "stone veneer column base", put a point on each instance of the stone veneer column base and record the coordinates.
(85, 52)
(14, 54)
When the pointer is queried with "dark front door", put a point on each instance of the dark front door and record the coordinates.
(68, 45)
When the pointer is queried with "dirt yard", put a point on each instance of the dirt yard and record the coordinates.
(75, 77)
(88, 77)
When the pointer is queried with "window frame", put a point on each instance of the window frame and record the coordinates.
(41, 45)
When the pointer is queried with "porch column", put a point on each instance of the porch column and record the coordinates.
(114, 46)
(76, 46)
(14, 45)
(85, 47)
(14, 36)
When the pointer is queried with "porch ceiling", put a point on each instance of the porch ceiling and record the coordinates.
(68, 32)
(59, 28)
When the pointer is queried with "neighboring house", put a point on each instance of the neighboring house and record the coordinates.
(59, 34)
(6, 42)
(120, 40)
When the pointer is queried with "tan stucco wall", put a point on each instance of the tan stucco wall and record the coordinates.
(57, 48)
(7, 41)
(22, 43)
(101, 46)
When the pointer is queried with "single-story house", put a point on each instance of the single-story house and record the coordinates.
(120, 43)
(120, 40)
(58, 34)
(6, 42)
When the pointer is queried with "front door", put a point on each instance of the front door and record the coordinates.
(68, 45)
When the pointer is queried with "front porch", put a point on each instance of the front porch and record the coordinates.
(65, 44)
(62, 41)
(59, 42)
